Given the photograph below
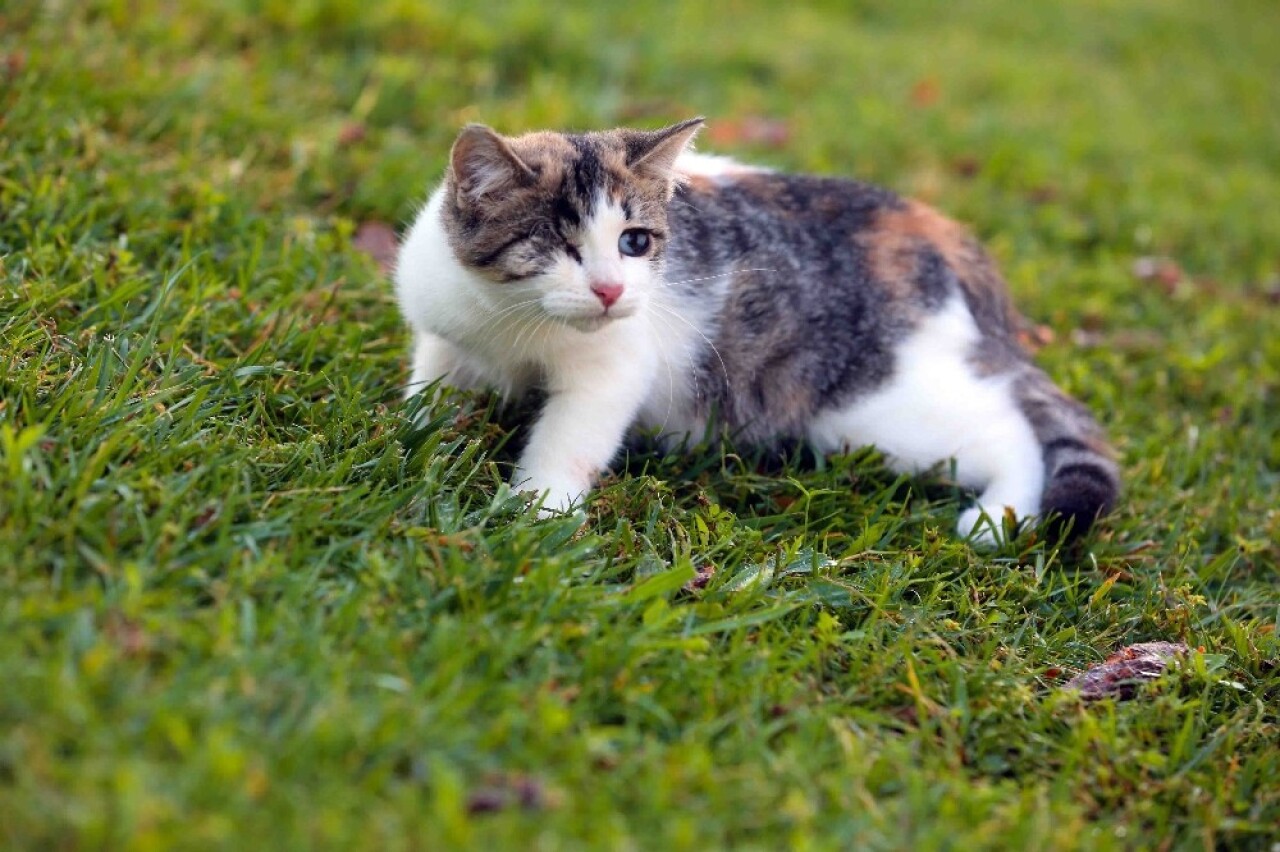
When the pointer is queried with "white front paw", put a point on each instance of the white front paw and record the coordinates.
(557, 494)
(981, 528)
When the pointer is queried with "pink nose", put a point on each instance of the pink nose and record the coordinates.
(607, 293)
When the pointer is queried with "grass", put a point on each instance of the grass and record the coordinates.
(243, 600)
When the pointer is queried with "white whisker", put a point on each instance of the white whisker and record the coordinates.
(488, 322)
(671, 381)
(714, 277)
(676, 314)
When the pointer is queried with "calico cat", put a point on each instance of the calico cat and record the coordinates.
(640, 283)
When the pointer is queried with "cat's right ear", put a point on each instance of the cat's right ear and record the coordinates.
(653, 153)
(483, 163)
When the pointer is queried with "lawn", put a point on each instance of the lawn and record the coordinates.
(250, 599)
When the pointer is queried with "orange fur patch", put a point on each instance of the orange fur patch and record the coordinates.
(894, 244)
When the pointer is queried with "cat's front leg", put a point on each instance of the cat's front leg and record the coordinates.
(434, 359)
(581, 428)
(437, 360)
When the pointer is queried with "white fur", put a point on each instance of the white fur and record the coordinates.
(690, 164)
(937, 408)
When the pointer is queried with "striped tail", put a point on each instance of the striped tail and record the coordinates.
(1082, 479)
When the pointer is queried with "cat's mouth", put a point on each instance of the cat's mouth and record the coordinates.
(594, 321)
(589, 324)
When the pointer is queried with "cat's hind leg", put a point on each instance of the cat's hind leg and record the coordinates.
(992, 447)
(1007, 465)
(935, 407)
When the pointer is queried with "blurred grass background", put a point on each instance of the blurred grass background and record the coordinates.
(243, 600)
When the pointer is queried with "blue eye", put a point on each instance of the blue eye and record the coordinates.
(635, 242)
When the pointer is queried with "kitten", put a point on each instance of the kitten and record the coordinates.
(639, 283)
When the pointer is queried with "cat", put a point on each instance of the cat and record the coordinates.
(637, 282)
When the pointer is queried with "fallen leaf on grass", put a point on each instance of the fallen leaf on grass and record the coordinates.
(378, 240)
(701, 578)
(127, 635)
(351, 133)
(14, 63)
(1161, 270)
(205, 517)
(509, 791)
(1120, 675)
(752, 130)
(1271, 291)
(1034, 337)
(1042, 194)
(925, 92)
(966, 166)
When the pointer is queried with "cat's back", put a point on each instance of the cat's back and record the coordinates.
(831, 238)
(816, 281)
(722, 207)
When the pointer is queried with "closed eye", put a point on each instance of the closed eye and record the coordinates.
(492, 256)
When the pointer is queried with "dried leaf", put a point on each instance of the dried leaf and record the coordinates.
(701, 578)
(1042, 194)
(14, 63)
(966, 166)
(752, 130)
(378, 240)
(507, 791)
(1120, 675)
(486, 800)
(351, 133)
(204, 518)
(127, 635)
(1034, 337)
(925, 92)
(1161, 270)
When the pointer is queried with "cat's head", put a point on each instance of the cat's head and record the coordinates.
(574, 225)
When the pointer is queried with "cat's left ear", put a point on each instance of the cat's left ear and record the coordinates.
(653, 153)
